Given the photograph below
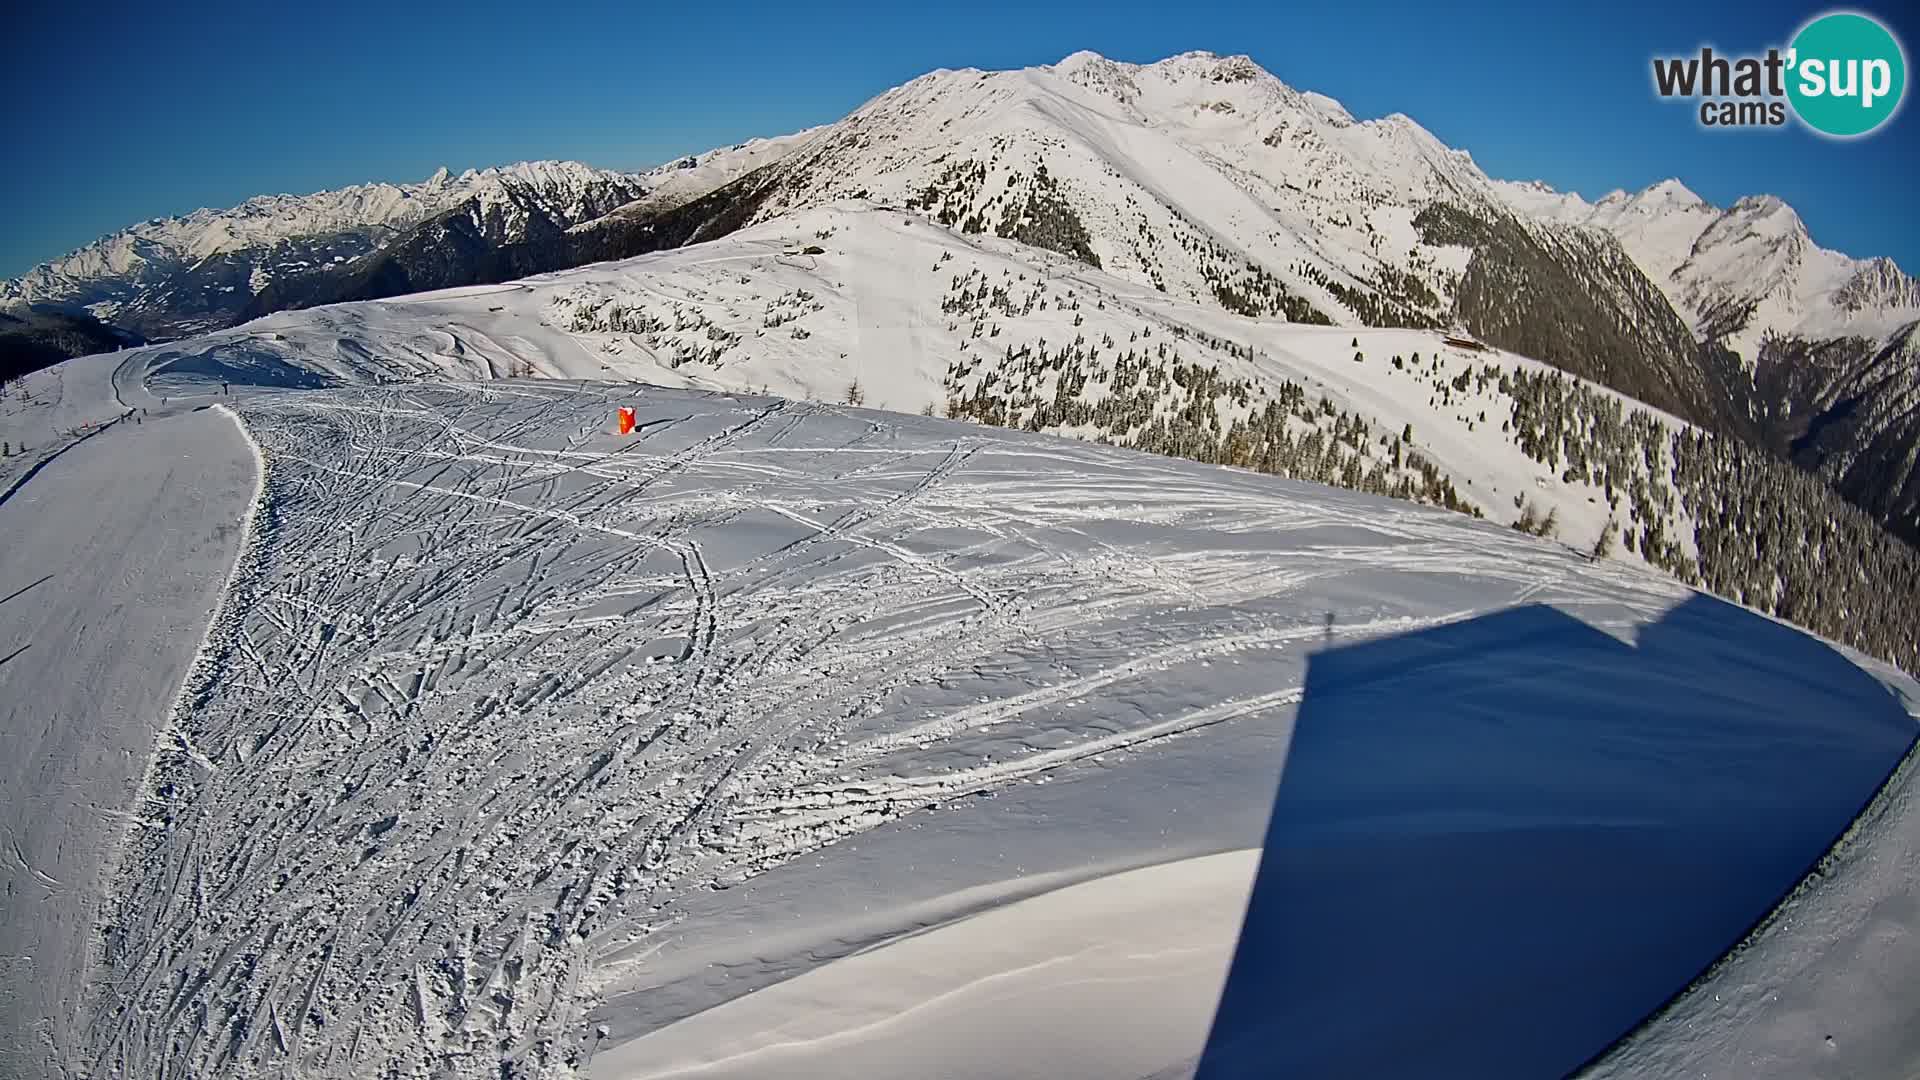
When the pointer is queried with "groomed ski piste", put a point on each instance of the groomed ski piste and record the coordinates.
(786, 738)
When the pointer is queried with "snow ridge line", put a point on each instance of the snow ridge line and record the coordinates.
(222, 623)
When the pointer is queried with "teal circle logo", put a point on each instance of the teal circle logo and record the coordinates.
(1847, 74)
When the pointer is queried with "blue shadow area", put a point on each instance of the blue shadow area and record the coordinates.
(1498, 845)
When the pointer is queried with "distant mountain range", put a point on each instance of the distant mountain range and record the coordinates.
(175, 277)
(1202, 177)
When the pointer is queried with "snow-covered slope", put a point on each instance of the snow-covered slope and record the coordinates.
(849, 302)
(516, 742)
(922, 317)
(1207, 178)
(113, 555)
(756, 739)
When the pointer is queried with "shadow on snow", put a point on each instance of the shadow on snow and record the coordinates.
(1498, 845)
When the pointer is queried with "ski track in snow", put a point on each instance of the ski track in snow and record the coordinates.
(497, 687)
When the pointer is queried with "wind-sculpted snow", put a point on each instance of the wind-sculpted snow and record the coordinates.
(501, 691)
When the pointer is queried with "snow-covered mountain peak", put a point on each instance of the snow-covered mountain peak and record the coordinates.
(1614, 210)
(1183, 81)
(1541, 200)
(537, 174)
(1753, 270)
(1084, 60)
(1759, 204)
(1768, 210)
(1199, 64)
(1763, 229)
(1669, 194)
(1099, 74)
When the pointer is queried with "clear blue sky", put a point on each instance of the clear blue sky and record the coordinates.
(120, 112)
